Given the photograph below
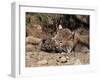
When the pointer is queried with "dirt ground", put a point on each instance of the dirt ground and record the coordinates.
(36, 58)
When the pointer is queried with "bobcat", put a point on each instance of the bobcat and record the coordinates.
(68, 40)
(64, 39)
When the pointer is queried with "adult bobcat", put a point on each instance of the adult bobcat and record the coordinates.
(64, 39)
(68, 40)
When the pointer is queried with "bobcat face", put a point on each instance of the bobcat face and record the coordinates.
(65, 40)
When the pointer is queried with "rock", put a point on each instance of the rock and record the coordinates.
(71, 61)
(77, 62)
(81, 48)
(84, 19)
(42, 62)
(63, 59)
(28, 55)
(29, 47)
(67, 57)
(32, 40)
(39, 27)
(52, 62)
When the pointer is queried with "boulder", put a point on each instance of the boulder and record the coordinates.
(42, 62)
(29, 47)
(32, 40)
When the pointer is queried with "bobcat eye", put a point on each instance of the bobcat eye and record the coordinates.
(43, 40)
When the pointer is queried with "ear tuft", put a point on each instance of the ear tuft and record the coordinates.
(60, 26)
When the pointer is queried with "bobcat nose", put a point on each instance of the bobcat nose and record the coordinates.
(67, 49)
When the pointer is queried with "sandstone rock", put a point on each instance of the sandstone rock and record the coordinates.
(32, 40)
(52, 62)
(28, 55)
(29, 47)
(77, 62)
(71, 61)
(67, 57)
(42, 62)
(39, 27)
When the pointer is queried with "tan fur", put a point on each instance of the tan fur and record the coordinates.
(65, 37)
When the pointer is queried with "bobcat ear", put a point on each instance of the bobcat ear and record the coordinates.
(60, 26)
(72, 34)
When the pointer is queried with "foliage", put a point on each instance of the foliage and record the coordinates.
(43, 18)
